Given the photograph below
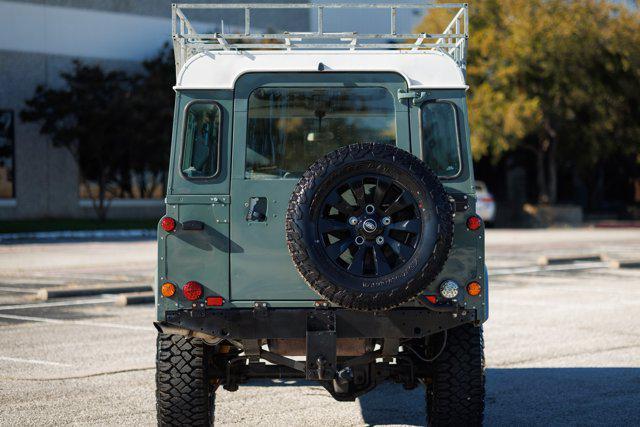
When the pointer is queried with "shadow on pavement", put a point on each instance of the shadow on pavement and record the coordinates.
(392, 404)
(536, 396)
(533, 396)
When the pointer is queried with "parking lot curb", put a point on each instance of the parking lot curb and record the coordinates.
(569, 259)
(51, 293)
(625, 264)
(37, 236)
(134, 298)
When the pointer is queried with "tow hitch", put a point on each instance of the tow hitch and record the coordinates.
(321, 345)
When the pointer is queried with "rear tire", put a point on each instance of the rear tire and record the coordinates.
(455, 394)
(184, 395)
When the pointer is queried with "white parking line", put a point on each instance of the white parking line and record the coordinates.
(537, 269)
(33, 361)
(104, 300)
(76, 322)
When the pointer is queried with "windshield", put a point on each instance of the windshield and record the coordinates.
(290, 128)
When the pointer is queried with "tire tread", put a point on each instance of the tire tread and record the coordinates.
(182, 391)
(455, 396)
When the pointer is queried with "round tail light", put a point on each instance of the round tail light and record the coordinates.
(168, 224)
(474, 222)
(474, 289)
(168, 289)
(192, 290)
(449, 289)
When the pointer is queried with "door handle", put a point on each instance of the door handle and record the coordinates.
(193, 225)
(257, 209)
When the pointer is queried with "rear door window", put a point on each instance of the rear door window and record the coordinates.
(289, 128)
(440, 138)
(201, 148)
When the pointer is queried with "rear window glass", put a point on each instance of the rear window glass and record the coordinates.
(200, 156)
(289, 128)
(440, 141)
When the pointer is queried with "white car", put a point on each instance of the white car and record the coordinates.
(486, 205)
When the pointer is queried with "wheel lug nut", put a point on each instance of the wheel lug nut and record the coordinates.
(359, 240)
(386, 220)
(380, 240)
(370, 209)
(353, 220)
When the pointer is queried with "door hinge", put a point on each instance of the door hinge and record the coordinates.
(459, 202)
(416, 97)
(260, 309)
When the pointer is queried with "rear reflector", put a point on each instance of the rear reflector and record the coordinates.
(215, 301)
(431, 298)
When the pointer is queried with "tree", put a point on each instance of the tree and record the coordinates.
(558, 78)
(152, 119)
(117, 126)
(87, 117)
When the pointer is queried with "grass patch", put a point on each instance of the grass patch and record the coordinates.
(25, 226)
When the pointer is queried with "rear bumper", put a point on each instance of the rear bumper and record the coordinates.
(284, 323)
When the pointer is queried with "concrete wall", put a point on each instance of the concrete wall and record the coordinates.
(46, 177)
(41, 38)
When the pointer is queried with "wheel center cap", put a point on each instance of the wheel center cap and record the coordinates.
(369, 225)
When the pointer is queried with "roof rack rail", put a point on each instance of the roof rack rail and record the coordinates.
(188, 42)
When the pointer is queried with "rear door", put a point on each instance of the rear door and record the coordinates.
(282, 123)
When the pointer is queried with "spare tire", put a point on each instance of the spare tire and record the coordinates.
(369, 226)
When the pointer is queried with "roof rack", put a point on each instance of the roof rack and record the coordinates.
(188, 42)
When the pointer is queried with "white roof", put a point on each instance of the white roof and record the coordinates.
(221, 69)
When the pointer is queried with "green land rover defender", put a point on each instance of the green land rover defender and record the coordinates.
(320, 217)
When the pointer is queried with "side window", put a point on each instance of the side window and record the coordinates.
(440, 141)
(200, 153)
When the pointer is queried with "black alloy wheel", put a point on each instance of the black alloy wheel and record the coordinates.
(370, 225)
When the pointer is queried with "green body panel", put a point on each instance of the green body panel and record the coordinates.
(246, 261)
(466, 258)
(202, 256)
(263, 270)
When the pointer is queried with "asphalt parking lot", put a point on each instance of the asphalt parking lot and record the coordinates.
(562, 343)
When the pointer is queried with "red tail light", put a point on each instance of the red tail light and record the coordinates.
(168, 224)
(474, 222)
(192, 290)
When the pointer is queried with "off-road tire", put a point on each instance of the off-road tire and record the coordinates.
(455, 392)
(184, 395)
(383, 292)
